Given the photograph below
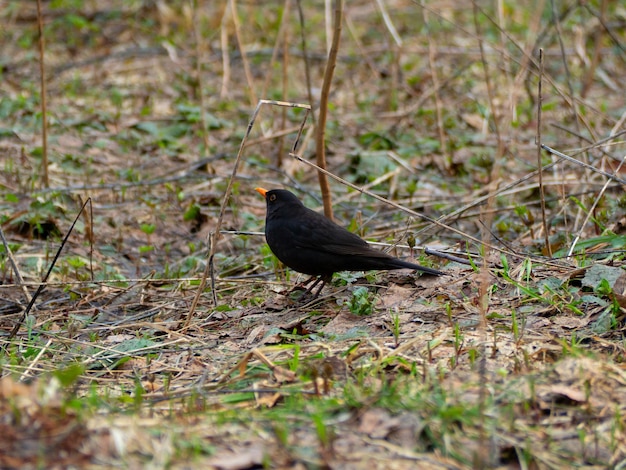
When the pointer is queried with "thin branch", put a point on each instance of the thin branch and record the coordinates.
(591, 209)
(307, 65)
(16, 271)
(321, 123)
(244, 57)
(197, 34)
(432, 63)
(43, 92)
(225, 54)
(43, 283)
(285, 79)
(542, 196)
(214, 236)
(584, 165)
(390, 27)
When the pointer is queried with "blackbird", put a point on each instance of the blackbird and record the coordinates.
(312, 244)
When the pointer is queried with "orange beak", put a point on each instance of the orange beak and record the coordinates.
(261, 191)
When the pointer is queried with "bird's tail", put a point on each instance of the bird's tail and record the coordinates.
(405, 264)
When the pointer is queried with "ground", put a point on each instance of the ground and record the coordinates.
(137, 355)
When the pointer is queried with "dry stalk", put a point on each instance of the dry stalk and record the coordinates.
(307, 65)
(198, 44)
(225, 55)
(44, 283)
(280, 37)
(568, 79)
(285, 80)
(216, 233)
(583, 164)
(244, 57)
(16, 271)
(43, 92)
(388, 23)
(544, 222)
(359, 45)
(432, 63)
(482, 457)
(320, 140)
(589, 76)
(591, 210)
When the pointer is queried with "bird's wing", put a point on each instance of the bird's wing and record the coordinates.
(319, 233)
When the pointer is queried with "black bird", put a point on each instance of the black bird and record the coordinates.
(312, 244)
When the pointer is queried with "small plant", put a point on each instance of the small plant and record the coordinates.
(514, 326)
(324, 433)
(449, 313)
(459, 341)
(193, 446)
(527, 218)
(148, 229)
(395, 328)
(361, 302)
(76, 263)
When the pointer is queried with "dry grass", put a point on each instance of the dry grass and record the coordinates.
(515, 360)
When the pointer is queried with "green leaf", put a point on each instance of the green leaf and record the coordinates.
(599, 272)
(70, 374)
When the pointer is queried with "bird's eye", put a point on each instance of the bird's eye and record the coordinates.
(272, 197)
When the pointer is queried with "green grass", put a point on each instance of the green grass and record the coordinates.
(520, 364)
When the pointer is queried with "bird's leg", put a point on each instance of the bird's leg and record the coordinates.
(312, 286)
(303, 284)
(323, 279)
(318, 279)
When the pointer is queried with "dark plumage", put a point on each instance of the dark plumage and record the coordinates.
(312, 244)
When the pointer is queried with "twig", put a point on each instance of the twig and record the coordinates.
(198, 43)
(43, 283)
(215, 234)
(444, 255)
(432, 64)
(307, 66)
(16, 271)
(42, 91)
(583, 164)
(591, 209)
(481, 457)
(225, 54)
(285, 80)
(320, 140)
(542, 196)
(279, 36)
(31, 366)
(595, 58)
(568, 75)
(90, 234)
(244, 57)
(390, 27)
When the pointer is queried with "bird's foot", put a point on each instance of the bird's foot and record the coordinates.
(308, 293)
